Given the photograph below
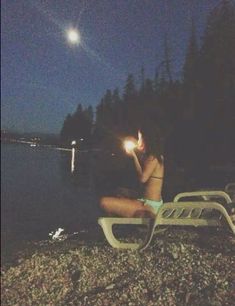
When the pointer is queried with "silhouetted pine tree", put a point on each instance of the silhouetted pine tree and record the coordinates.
(190, 76)
(117, 111)
(88, 112)
(77, 126)
(130, 89)
(105, 120)
(129, 104)
(144, 102)
(209, 96)
(167, 59)
(142, 79)
(217, 75)
(147, 99)
(104, 114)
(66, 128)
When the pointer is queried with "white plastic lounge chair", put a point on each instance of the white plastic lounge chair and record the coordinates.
(207, 214)
(230, 189)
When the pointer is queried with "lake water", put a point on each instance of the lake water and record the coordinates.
(39, 194)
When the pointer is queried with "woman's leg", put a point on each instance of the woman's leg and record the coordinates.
(124, 207)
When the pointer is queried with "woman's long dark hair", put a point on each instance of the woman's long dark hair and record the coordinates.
(153, 140)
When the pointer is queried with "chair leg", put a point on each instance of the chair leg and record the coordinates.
(149, 236)
(107, 224)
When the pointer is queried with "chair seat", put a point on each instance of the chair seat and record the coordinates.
(197, 214)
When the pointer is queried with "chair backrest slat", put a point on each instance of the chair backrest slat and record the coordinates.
(207, 195)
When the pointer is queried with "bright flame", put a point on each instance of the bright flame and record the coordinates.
(140, 141)
(129, 145)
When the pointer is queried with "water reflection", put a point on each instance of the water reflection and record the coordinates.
(39, 193)
(82, 176)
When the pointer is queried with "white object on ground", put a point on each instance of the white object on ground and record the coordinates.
(57, 233)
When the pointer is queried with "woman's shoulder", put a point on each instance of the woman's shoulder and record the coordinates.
(151, 157)
(159, 160)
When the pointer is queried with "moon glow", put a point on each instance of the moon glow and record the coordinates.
(73, 36)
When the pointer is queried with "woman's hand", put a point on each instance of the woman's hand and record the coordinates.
(130, 145)
(131, 152)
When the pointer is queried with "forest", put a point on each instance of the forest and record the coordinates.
(195, 113)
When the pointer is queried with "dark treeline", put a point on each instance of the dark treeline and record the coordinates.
(196, 113)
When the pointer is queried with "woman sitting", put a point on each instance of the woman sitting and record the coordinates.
(150, 172)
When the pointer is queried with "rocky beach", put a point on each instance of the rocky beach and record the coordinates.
(181, 267)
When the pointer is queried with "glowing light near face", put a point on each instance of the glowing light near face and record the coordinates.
(73, 36)
(129, 145)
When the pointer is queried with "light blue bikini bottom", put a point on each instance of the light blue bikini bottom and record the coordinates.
(155, 205)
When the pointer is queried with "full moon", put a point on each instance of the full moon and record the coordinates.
(73, 36)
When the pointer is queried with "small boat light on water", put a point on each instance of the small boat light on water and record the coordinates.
(129, 145)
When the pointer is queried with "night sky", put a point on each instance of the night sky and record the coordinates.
(44, 77)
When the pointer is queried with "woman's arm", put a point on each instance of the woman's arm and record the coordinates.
(149, 166)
